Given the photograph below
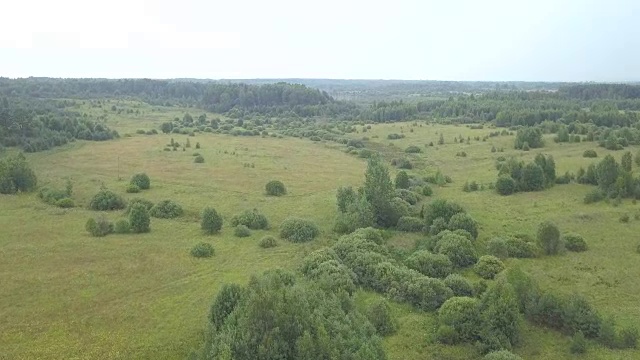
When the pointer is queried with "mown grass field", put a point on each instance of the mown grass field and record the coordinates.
(68, 295)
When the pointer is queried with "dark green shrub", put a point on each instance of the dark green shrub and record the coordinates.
(427, 190)
(447, 335)
(16, 175)
(409, 196)
(241, 231)
(211, 221)
(548, 237)
(268, 242)
(298, 230)
(505, 185)
(141, 180)
(166, 209)
(593, 196)
(252, 219)
(202, 250)
(574, 242)
(488, 266)
(146, 203)
(459, 285)
(437, 226)
(498, 247)
(429, 264)
(410, 224)
(65, 203)
(624, 218)
(198, 159)
(628, 338)
(57, 197)
(501, 355)
(402, 180)
(579, 315)
(225, 302)
(458, 249)
(590, 154)
(106, 200)
(99, 227)
(139, 219)
(412, 149)
(122, 227)
(345, 197)
(463, 221)
(275, 188)
(379, 315)
(578, 343)
(441, 208)
(132, 189)
(397, 208)
(461, 314)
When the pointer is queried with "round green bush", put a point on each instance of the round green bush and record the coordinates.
(505, 185)
(252, 219)
(461, 313)
(133, 189)
(106, 200)
(139, 219)
(202, 250)
(268, 242)
(402, 180)
(211, 221)
(379, 315)
(497, 247)
(427, 190)
(488, 266)
(275, 188)
(65, 203)
(502, 355)
(122, 227)
(298, 230)
(590, 154)
(458, 249)
(413, 149)
(407, 195)
(99, 227)
(241, 231)
(575, 242)
(410, 224)
(166, 209)
(198, 159)
(429, 264)
(146, 203)
(549, 238)
(463, 221)
(141, 180)
(459, 285)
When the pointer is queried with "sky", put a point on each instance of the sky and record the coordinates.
(492, 40)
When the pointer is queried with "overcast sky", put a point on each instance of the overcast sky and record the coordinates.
(546, 40)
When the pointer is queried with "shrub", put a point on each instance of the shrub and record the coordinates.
(624, 218)
(437, 226)
(575, 242)
(16, 175)
(65, 203)
(122, 227)
(252, 219)
(429, 264)
(166, 209)
(549, 238)
(147, 204)
(628, 338)
(501, 355)
(464, 222)
(427, 190)
(402, 180)
(590, 154)
(461, 313)
(99, 227)
(298, 230)
(579, 315)
(441, 208)
(106, 200)
(409, 196)
(410, 224)
(141, 180)
(505, 185)
(211, 221)
(578, 343)
(139, 219)
(268, 242)
(198, 159)
(379, 315)
(458, 249)
(459, 285)
(413, 149)
(447, 335)
(519, 248)
(488, 266)
(498, 247)
(275, 188)
(594, 196)
(241, 231)
(132, 189)
(202, 250)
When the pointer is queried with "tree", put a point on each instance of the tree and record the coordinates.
(379, 314)
(505, 185)
(16, 175)
(549, 238)
(275, 188)
(211, 221)
(532, 177)
(402, 180)
(531, 136)
(465, 222)
(500, 317)
(378, 190)
(461, 313)
(345, 197)
(166, 127)
(441, 140)
(627, 161)
(141, 180)
(607, 173)
(139, 219)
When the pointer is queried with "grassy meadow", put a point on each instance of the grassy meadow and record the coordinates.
(68, 295)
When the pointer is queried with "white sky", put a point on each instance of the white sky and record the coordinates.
(546, 40)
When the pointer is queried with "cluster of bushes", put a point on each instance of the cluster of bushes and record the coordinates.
(137, 222)
(139, 182)
(166, 209)
(518, 246)
(16, 175)
(106, 200)
(58, 197)
(252, 219)
(515, 176)
(298, 230)
(473, 186)
(528, 138)
(614, 180)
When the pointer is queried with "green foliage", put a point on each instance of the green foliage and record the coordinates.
(429, 264)
(298, 321)
(211, 221)
(578, 343)
(590, 154)
(16, 175)
(628, 338)
(441, 208)
(252, 219)
(139, 219)
(225, 302)
(593, 196)
(459, 285)
(132, 188)
(530, 136)
(412, 149)
(147, 204)
(141, 180)
(574, 242)
(488, 266)
(275, 188)
(461, 314)
(437, 226)
(398, 208)
(379, 315)
(532, 178)
(122, 227)
(500, 317)
(345, 197)
(199, 159)
(57, 197)
(409, 196)
(501, 355)
(464, 221)
(458, 249)
(379, 191)
(359, 215)
(166, 209)
(427, 190)
(410, 224)
(106, 200)
(627, 161)
(402, 180)
(548, 237)
(268, 242)
(521, 248)
(242, 231)
(99, 227)
(607, 172)
(497, 247)
(65, 203)
(298, 230)
(202, 250)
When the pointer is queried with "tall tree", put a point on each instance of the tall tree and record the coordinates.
(378, 190)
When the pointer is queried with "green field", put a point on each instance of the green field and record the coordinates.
(69, 295)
